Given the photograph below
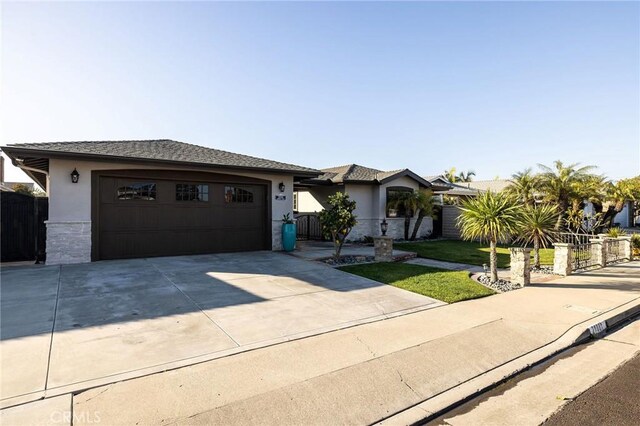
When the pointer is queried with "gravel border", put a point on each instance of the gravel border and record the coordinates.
(501, 286)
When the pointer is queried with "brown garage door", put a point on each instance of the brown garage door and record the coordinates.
(142, 216)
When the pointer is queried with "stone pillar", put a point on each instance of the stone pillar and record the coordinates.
(68, 242)
(625, 247)
(598, 252)
(562, 259)
(520, 266)
(383, 248)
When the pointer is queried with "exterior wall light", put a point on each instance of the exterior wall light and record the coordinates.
(75, 176)
(383, 227)
(281, 187)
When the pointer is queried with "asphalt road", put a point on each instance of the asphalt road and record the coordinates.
(613, 401)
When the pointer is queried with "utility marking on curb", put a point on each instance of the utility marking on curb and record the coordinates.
(598, 328)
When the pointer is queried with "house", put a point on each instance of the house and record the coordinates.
(127, 199)
(370, 189)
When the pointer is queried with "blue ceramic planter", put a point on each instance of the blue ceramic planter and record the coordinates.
(289, 236)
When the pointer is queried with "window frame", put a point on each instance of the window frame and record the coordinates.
(131, 185)
(203, 196)
(401, 213)
(246, 198)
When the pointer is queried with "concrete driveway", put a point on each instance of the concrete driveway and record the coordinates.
(77, 326)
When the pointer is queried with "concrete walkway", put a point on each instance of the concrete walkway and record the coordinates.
(446, 265)
(395, 371)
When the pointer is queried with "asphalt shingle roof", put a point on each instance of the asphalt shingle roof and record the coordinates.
(355, 172)
(162, 150)
(495, 185)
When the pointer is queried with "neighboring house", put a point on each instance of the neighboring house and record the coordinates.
(370, 189)
(494, 185)
(624, 218)
(156, 198)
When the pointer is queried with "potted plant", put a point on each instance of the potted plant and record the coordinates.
(288, 233)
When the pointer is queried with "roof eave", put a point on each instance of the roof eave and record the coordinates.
(406, 172)
(14, 152)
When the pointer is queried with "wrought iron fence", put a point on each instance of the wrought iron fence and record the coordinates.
(571, 238)
(581, 257)
(614, 250)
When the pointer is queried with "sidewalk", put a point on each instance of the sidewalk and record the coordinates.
(531, 398)
(401, 369)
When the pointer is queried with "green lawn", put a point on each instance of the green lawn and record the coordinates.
(467, 252)
(448, 286)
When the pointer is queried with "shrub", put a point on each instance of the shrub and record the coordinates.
(616, 232)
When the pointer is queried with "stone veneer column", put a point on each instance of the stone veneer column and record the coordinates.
(383, 248)
(276, 235)
(562, 259)
(520, 265)
(625, 243)
(598, 252)
(68, 242)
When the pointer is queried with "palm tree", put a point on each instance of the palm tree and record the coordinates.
(524, 186)
(537, 226)
(468, 177)
(491, 216)
(454, 177)
(451, 175)
(424, 204)
(560, 185)
(410, 202)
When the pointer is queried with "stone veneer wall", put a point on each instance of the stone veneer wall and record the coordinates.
(276, 235)
(395, 230)
(68, 242)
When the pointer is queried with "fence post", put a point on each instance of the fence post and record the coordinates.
(562, 259)
(520, 265)
(598, 252)
(625, 242)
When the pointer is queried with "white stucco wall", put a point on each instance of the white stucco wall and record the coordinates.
(308, 203)
(70, 204)
(371, 202)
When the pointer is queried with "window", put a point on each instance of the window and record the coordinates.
(295, 201)
(397, 210)
(137, 191)
(233, 194)
(192, 192)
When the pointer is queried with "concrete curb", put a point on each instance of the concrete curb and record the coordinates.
(438, 405)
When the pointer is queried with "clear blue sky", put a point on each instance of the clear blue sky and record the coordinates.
(493, 87)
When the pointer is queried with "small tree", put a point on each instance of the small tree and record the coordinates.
(537, 226)
(338, 221)
(489, 217)
(21, 188)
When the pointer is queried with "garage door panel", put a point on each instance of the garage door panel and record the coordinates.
(161, 225)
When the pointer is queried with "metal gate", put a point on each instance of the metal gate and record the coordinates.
(308, 227)
(22, 225)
